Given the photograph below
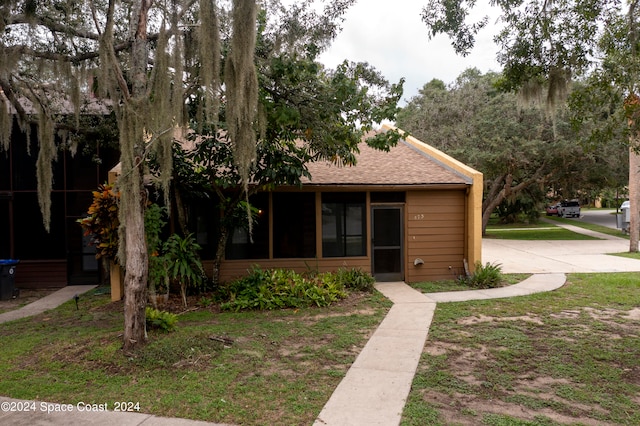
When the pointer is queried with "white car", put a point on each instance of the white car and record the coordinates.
(624, 205)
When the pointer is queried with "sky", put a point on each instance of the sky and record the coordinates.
(391, 36)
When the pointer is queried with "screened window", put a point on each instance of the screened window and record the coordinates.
(344, 229)
(294, 225)
(31, 240)
(240, 244)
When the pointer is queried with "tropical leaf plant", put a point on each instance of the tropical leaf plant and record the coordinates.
(101, 222)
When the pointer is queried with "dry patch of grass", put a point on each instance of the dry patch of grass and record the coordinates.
(571, 356)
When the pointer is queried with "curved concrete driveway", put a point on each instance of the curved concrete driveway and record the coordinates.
(540, 257)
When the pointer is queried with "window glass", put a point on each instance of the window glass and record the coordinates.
(344, 224)
(32, 241)
(239, 244)
(294, 225)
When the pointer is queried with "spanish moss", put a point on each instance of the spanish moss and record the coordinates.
(209, 43)
(6, 124)
(44, 167)
(546, 95)
(242, 90)
(161, 113)
(130, 180)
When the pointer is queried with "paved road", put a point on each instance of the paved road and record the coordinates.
(603, 217)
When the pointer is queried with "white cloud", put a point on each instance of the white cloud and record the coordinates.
(392, 37)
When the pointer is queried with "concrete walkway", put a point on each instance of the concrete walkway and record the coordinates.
(43, 414)
(375, 389)
(48, 302)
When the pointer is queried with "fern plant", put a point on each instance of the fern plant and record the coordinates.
(162, 320)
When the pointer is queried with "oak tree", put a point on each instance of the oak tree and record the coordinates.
(518, 149)
(163, 68)
(546, 44)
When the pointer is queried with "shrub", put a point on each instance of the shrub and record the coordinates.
(355, 279)
(161, 320)
(485, 276)
(281, 288)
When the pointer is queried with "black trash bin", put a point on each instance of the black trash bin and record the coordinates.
(7, 281)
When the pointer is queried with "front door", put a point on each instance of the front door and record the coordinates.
(387, 249)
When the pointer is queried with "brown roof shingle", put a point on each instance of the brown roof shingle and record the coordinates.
(402, 165)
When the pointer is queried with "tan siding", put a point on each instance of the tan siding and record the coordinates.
(435, 251)
(430, 244)
(435, 234)
(448, 228)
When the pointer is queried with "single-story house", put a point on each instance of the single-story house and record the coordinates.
(412, 214)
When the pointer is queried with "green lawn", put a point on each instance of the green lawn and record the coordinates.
(590, 226)
(546, 230)
(539, 233)
(280, 368)
(630, 255)
(571, 356)
(568, 356)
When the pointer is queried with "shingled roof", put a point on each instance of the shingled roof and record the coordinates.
(403, 165)
(410, 163)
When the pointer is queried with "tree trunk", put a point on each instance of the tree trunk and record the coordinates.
(137, 261)
(632, 110)
(222, 244)
(486, 213)
(492, 192)
(495, 197)
(180, 209)
(634, 196)
(135, 279)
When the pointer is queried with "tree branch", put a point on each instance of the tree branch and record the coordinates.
(7, 89)
(51, 25)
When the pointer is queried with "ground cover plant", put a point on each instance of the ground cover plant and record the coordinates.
(281, 288)
(249, 368)
(571, 356)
